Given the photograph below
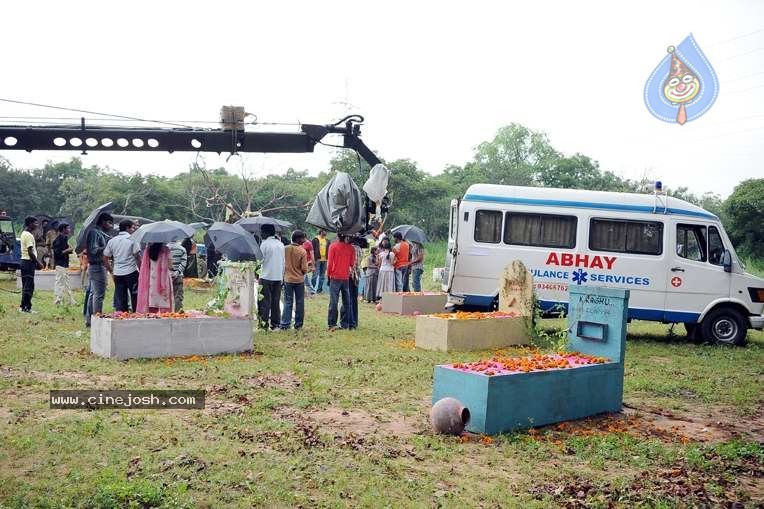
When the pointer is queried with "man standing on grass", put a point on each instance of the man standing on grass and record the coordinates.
(353, 283)
(401, 250)
(179, 262)
(96, 244)
(308, 247)
(29, 263)
(320, 254)
(50, 238)
(271, 275)
(340, 262)
(124, 254)
(417, 265)
(295, 269)
(61, 252)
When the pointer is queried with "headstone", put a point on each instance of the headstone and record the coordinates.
(516, 289)
(238, 280)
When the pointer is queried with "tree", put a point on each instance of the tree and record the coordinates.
(516, 156)
(745, 210)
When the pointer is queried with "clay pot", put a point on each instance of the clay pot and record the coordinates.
(449, 416)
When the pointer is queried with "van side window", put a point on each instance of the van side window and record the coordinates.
(715, 246)
(691, 242)
(543, 230)
(488, 226)
(637, 237)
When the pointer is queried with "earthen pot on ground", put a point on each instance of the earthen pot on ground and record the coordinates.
(449, 416)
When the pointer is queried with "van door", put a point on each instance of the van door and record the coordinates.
(695, 275)
(451, 254)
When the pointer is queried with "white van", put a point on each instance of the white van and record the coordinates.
(674, 257)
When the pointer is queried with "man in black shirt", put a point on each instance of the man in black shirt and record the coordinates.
(61, 252)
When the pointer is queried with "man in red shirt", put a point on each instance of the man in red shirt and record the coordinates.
(341, 259)
(401, 250)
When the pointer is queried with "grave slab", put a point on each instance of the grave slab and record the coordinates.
(507, 402)
(409, 303)
(490, 333)
(45, 280)
(132, 338)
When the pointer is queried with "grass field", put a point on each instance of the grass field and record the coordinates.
(319, 419)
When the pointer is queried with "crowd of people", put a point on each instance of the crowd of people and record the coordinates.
(148, 280)
(349, 268)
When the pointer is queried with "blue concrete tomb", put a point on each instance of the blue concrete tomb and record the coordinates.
(501, 401)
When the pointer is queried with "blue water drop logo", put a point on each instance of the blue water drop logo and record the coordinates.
(683, 86)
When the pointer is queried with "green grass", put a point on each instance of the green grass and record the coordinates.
(267, 445)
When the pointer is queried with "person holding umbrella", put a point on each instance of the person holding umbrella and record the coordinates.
(401, 250)
(97, 239)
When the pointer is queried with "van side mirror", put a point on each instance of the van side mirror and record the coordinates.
(727, 261)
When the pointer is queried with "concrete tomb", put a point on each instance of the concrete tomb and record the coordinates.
(501, 400)
(45, 279)
(131, 338)
(474, 331)
(410, 303)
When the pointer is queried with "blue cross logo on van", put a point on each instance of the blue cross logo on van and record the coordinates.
(579, 276)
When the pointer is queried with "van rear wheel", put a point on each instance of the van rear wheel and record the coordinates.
(725, 326)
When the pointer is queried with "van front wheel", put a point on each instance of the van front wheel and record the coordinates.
(725, 326)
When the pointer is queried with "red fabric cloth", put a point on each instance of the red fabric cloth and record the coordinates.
(163, 279)
(341, 260)
(308, 247)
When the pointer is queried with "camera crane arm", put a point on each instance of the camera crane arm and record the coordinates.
(85, 138)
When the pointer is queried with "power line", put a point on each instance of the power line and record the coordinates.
(736, 38)
(26, 103)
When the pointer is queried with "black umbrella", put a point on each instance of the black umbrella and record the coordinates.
(118, 218)
(58, 221)
(253, 224)
(88, 225)
(411, 232)
(234, 242)
(162, 232)
(199, 226)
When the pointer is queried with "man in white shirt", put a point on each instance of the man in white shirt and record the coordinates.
(271, 276)
(124, 266)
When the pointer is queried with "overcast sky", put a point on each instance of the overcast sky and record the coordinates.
(432, 79)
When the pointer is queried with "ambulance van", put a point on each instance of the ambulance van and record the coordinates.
(674, 257)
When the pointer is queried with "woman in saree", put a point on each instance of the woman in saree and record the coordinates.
(154, 280)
